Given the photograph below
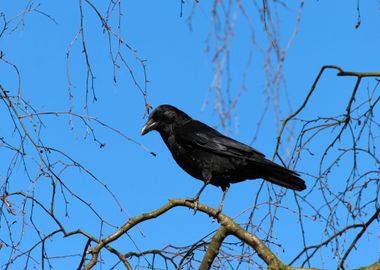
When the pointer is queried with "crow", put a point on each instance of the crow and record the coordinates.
(208, 155)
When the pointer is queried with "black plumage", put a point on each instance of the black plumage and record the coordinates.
(208, 155)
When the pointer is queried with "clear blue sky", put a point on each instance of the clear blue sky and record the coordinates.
(180, 73)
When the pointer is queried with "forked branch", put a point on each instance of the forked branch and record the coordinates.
(341, 72)
(228, 227)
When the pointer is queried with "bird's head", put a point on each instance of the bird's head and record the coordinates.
(164, 118)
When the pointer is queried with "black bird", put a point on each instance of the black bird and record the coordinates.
(206, 154)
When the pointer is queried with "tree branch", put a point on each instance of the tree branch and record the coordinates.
(228, 226)
(374, 266)
(213, 248)
(341, 72)
(365, 227)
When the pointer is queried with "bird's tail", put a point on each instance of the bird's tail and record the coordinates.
(281, 176)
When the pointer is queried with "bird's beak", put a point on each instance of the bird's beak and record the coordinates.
(149, 126)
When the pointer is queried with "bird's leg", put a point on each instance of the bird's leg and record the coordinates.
(195, 200)
(225, 190)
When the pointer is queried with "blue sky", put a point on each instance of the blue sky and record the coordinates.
(180, 73)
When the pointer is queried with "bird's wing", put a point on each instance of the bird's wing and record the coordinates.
(195, 134)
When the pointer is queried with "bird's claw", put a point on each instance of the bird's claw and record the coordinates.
(214, 214)
(196, 202)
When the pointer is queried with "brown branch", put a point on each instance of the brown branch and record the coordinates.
(303, 105)
(123, 229)
(159, 252)
(214, 248)
(358, 236)
(228, 224)
(84, 254)
(325, 243)
(357, 74)
(374, 266)
(341, 72)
